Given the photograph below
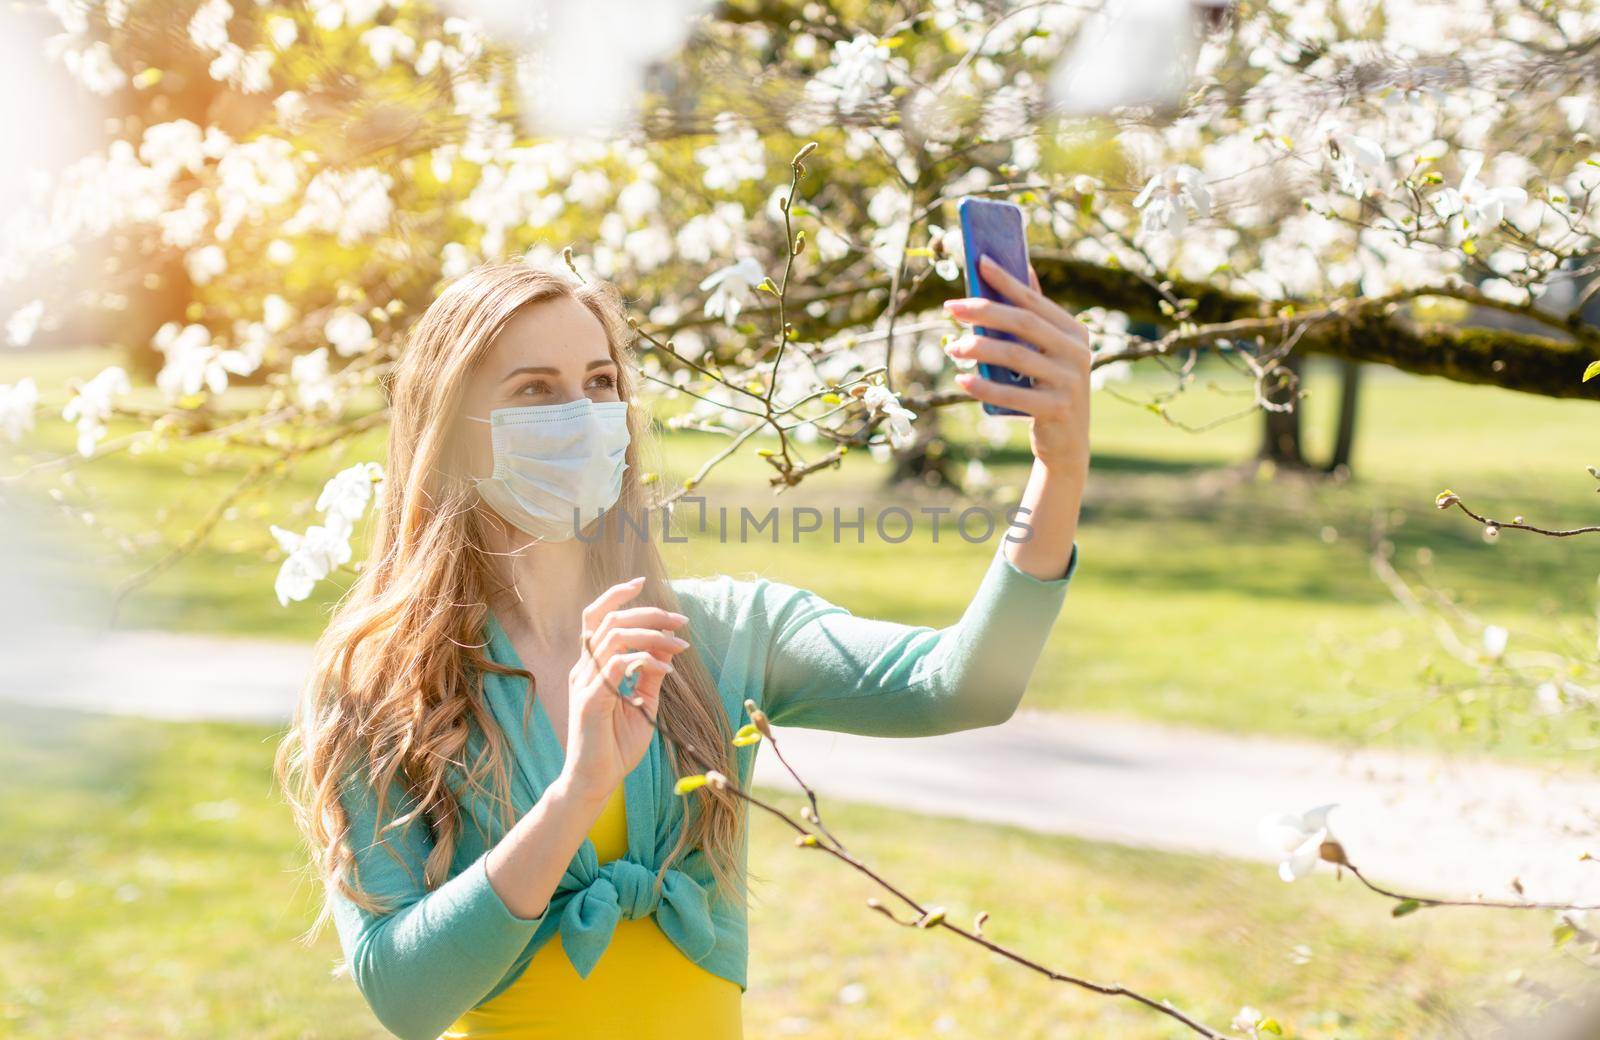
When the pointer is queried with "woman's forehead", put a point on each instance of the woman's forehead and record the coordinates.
(558, 333)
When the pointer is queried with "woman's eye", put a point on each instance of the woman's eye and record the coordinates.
(605, 382)
(535, 388)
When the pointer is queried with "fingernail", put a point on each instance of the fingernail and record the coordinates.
(957, 306)
(985, 261)
(634, 581)
(679, 618)
(680, 642)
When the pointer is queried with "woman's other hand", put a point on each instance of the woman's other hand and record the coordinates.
(1058, 401)
(606, 735)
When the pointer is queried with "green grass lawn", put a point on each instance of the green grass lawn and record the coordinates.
(153, 887)
(1245, 605)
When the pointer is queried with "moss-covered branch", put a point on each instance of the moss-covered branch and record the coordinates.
(1383, 334)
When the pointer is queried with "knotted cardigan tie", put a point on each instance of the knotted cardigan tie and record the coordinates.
(596, 899)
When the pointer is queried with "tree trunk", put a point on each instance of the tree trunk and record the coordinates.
(926, 462)
(1280, 431)
(1344, 439)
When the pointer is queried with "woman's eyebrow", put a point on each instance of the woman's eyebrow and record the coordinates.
(546, 370)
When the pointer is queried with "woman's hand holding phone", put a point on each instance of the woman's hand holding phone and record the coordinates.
(1058, 400)
(606, 735)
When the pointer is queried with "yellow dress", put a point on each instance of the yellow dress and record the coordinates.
(642, 988)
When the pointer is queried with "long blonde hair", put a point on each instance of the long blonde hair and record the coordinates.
(393, 690)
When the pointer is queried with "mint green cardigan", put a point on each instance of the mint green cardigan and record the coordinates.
(436, 954)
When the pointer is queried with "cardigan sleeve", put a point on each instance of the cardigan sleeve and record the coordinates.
(432, 955)
(826, 668)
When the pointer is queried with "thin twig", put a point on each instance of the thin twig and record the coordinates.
(1493, 904)
(824, 840)
(1449, 498)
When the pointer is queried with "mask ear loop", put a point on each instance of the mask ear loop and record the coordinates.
(476, 480)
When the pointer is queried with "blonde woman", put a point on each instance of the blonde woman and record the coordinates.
(503, 852)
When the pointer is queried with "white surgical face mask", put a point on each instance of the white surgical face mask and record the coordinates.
(556, 466)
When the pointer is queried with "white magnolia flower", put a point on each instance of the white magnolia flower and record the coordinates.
(1248, 1021)
(194, 362)
(1480, 207)
(1299, 838)
(859, 73)
(180, 145)
(314, 555)
(730, 287)
(95, 68)
(1358, 163)
(455, 260)
(311, 557)
(706, 235)
(385, 43)
(276, 312)
(1505, 291)
(313, 381)
(349, 332)
(90, 406)
(352, 204)
(345, 497)
(1168, 197)
(648, 247)
(638, 201)
(588, 187)
(208, 28)
(205, 263)
(1108, 331)
(950, 243)
(889, 244)
(1494, 641)
(291, 107)
(737, 157)
(977, 474)
(282, 31)
(830, 244)
(1576, 109)
(17, 402)
(250, 71)
(23, 323)
(899, 418)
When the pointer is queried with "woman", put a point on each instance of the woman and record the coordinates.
(461, 764)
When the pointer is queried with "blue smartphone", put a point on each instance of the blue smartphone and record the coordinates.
(996, 230)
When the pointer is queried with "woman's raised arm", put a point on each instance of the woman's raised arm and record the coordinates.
(826, 668)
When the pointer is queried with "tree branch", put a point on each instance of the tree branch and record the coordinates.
(1542, 365)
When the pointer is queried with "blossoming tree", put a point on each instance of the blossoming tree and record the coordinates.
(1313, 178)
